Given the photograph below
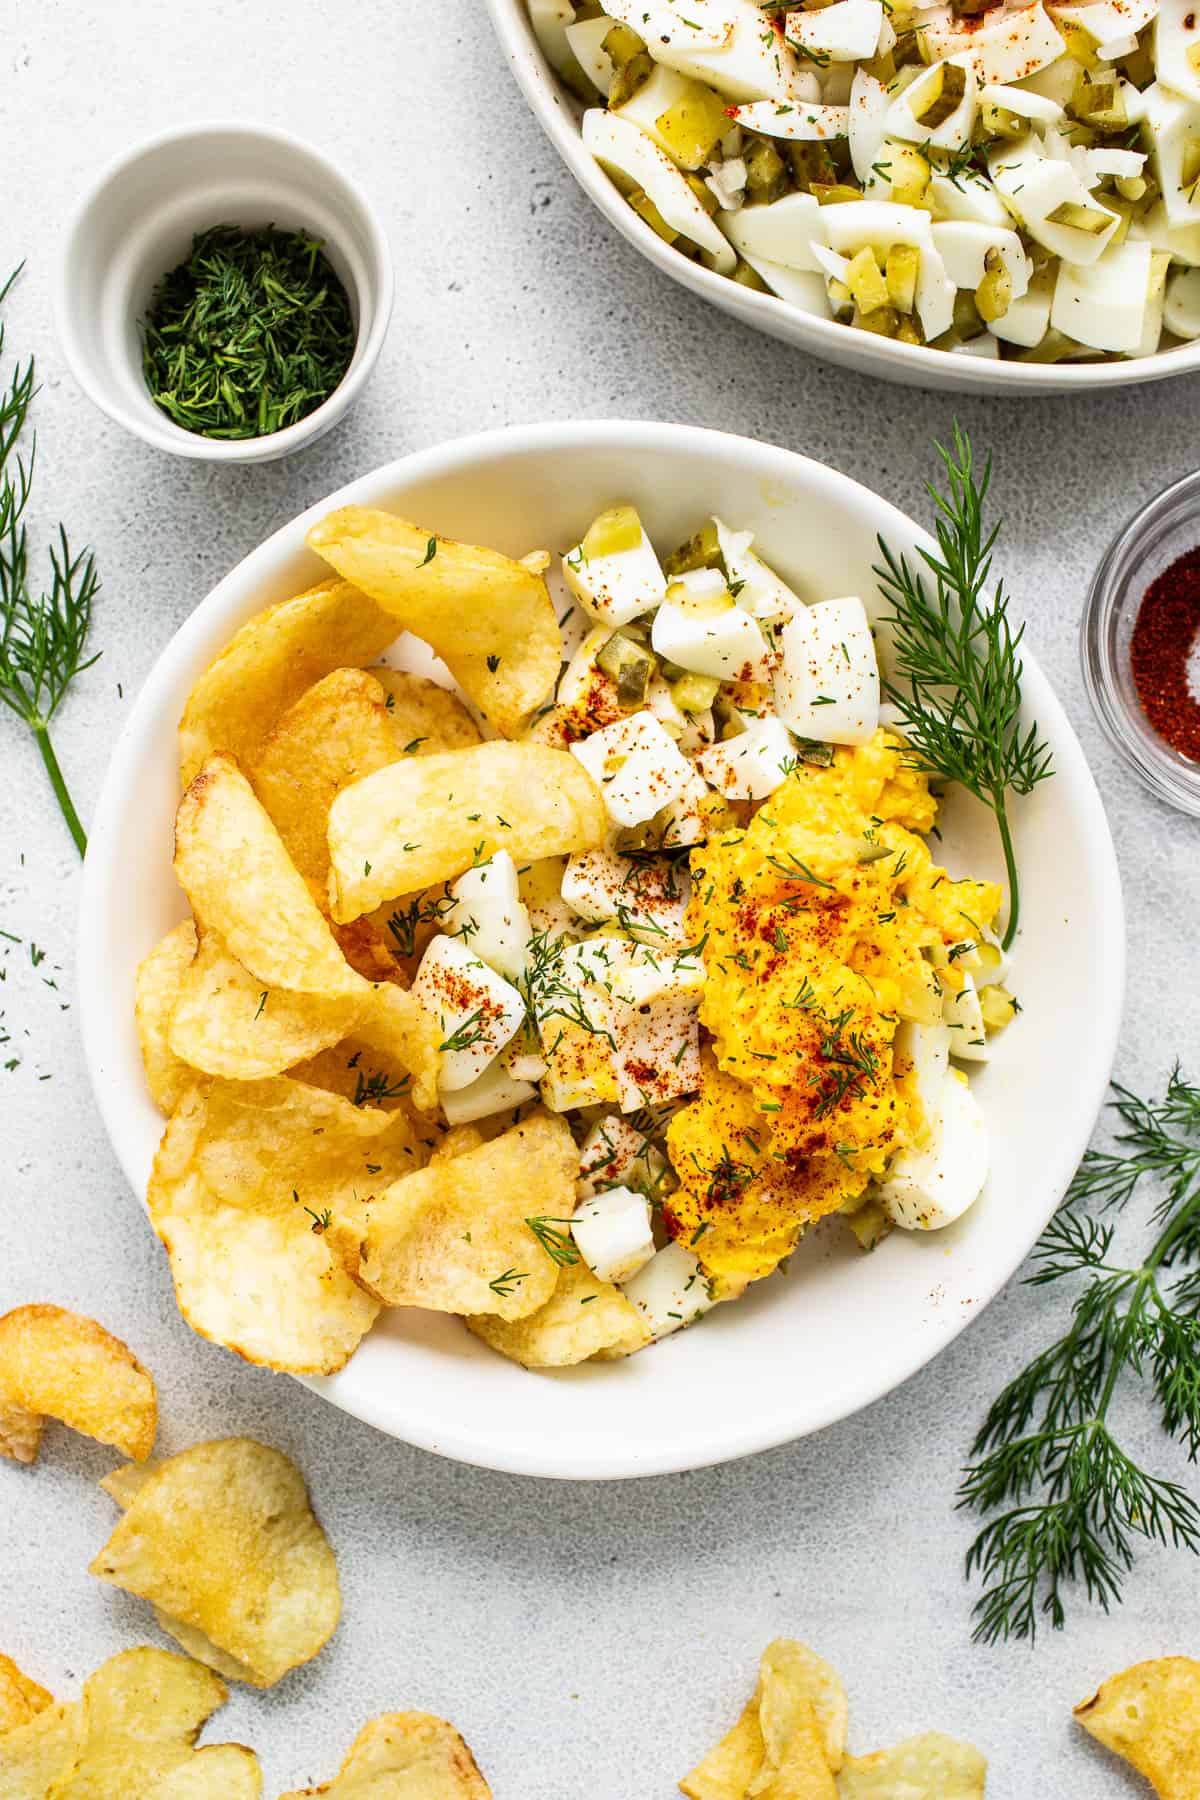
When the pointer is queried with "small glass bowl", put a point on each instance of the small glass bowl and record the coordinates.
(1162, 531)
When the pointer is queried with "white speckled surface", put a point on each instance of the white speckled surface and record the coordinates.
(587, 1640)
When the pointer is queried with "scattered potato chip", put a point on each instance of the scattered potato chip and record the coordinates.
(128, 1479)
(21, 1699)
(404, 1756)
(732, 1764)
(217, 1772)
(582, 1317)
(57, 1362)
(226, 1022)
(453, 1237)
(270, 661)
(428, 818)
(930, 1767)
(159, 979)
(490, 619)
(791, 1676)
(223, 1539)
(423, 716)
(1150, 1715)
(241, 882)
(20, 1431)
(790, 1739)
(335, 733)
(34, 1756)
(247, 1186)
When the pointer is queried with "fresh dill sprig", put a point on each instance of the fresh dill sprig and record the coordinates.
(42, 636)
(558, 1244)
(957, 670)
(1069, 1502)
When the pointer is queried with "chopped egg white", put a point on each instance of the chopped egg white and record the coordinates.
(616, 588)
(487, 914)
(496, 1090)
(929, 1187)
(636, 766)
(751, 765)
(647, 896)
(827, 685)
(709, 633)
(964, 1021)
(614, 1234)
(477, 1010)
(670, 1291)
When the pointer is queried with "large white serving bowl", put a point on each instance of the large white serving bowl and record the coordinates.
(559, 114)
(839, 1329)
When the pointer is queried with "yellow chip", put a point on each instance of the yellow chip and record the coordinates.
(334, 734)
(930, 1767)
(582, 1317)
(270, 661)
(247, 1187)
(454, 1238)
(790, 1739)
(223, 1539)
(423, 716)
(397, 1025)
(35, 1755)
(404, 1756)
(790, 1678)
(732, 1764)
(1150, 1715)
(428, 818)
(226, 1022)
(20, 1431)
(57, 1362)
(489, 618)
(21, 1699)
(159, 979)
(241, 882)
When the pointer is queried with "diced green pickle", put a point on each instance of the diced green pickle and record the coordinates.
(629, 79)
(1077, 217)
(1189, 168)
(694, 693)
(967, 322)
(903, 267)
(993, 296)
(694, 126)
(645, 208)
(884, 321)
(703, 193)
(749, 277)
(811, 162)
(630, 666)
(818, 756)
(703, 551)
(864, 278)
(1098, 103)
(616, 529)
(942, 95)
(621, 45)
(766, 176)
(835, 193)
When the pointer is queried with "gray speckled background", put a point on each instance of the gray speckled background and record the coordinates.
(587, 1640)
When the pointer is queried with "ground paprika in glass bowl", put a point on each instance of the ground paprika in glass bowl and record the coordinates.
(1140, 648)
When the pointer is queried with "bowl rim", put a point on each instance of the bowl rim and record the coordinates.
(368, 343)
(824, 338)
(227, 601)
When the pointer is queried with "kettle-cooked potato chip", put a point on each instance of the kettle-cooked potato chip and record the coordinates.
(247, 1185)
(790, 1739)
(222, 1538)
(59, 1363)
(404, 1756)
(159, 979)
(1150, 1715)
(490, 619)
(582, 1317)
(21, 1698)
(929, 1767)
(454, 1238)
(397, 1025)
(427, 818)
(20, 1431)
(269, 662)
(34, 1756)
(425, 717)
(241, 882)
(790, 1676)
(335, 733)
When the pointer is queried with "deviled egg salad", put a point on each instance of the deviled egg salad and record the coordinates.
(753, 997)
(991, 177)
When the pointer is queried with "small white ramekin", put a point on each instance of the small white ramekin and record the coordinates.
(137, 222)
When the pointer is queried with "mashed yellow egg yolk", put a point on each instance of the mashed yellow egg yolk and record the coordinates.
(818, 919)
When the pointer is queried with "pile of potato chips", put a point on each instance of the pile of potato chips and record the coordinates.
(306, 1177)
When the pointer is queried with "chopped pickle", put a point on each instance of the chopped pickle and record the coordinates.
(1098, 103)
(766, 176)
(703, 551)
(1189, 168)
(571, 74)
(967, 322)
(699, 606)
(587, 9)
(1124, 210)
(1138, 66)
(1160, 262)
(971, 9)
(997, 1007)
(907, 51)
(870, 1224)
(993, 296)
(629, 79)
(694, 126)
(871, 850)
(749, 277)
(909, 331)
(1080, 44)
(645, 208)
(907, 170)
(694, 693)
(999, 122)
(1076, 217)
(1057, 347)
(835, 193)
(901, 271)
(630, 666)
(621, 45)
(839, 299)
(703, 193)
(818, 756)
(617, 528)
(811, 162)
(941, 96)
(884, 321)
(864, 278)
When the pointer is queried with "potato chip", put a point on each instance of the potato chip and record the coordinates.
(57, 1362)
(404, 1756)
(791, 1676)
(425, 717)
(20, 1431)
(490, 619)
(270, 661)
(241, 882)
(222, 1538)
(397, 1025)
(582, 1317)
(335, 733)
(454, 1238)
(159, 979)
(226, 1022)
(1150, 1715)
(137, 1725)
(791, 1736)
(731, 1765)
(128, 1479)
(428, 818)
(246, 1187)
(35, 1755)
(930, 1767)
(21, 1699)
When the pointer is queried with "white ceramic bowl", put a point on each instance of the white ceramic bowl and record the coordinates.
(137, 221)
(559, 114)
(840, 1328)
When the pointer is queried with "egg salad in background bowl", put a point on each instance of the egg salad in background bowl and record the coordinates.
(595, 954)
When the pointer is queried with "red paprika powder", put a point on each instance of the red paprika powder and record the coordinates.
(1164, 638)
